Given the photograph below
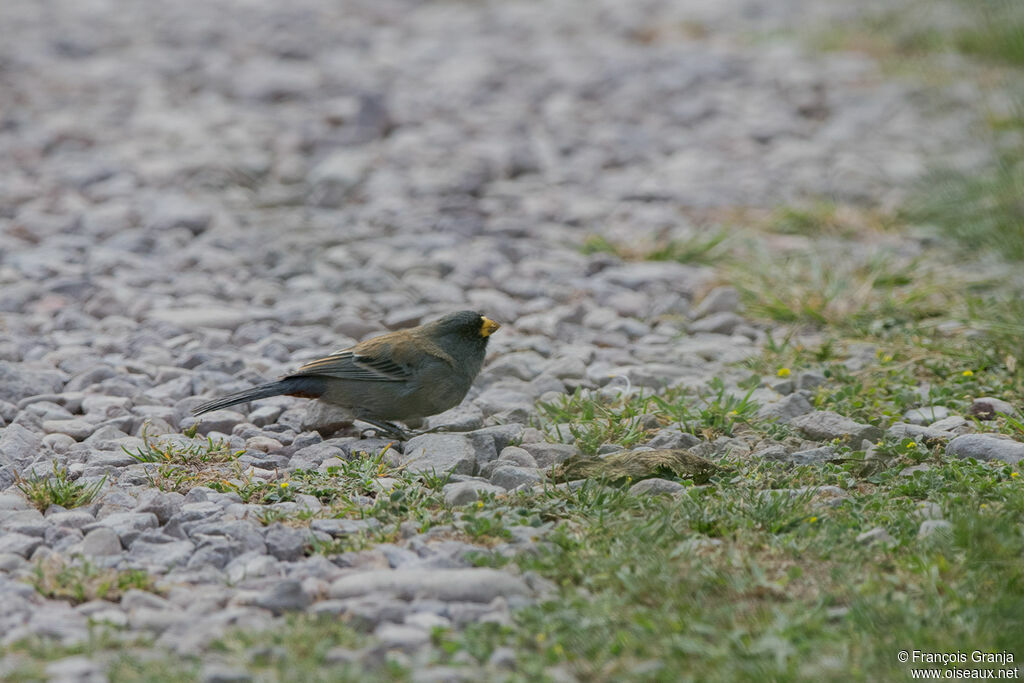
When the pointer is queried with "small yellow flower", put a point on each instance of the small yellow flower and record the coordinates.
(558, 649)
(479, 503)
(812, 520)
(733, 413)
(629, 479)
(984, 505)
(541, 637)
(284, 484)
(912, 444)
(1014, 475)
(783, 372)
(967, 373)
(887, 358)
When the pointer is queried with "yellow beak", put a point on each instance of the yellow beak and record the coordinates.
(488, 328)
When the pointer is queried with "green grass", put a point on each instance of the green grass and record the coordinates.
(983, 211)
(58, 489)
(182, 463)
(80, 581)
(698, 249)
(730, 583)
(843, 289)
(594, 420)
(990, 30)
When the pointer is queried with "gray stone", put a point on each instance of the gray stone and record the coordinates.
(876, 535)
(928, 510)
(19, 544)
(77, 669)
(344, 527)
(548, 454)
(934, 526)
(265, 415)
(723, 299)
(813, 456)
(509, 477)
(174, 210)
(785, 410)
(402, 636)
(101, 541)
(464, 492)
(18, 445)
(283, 596)
(162, 556)
(514, 455)
(462, 418)
(128, 524)
(222, 421)
(450, 585)
(672, 437)
(953, 423)
(336, 177)
(440, 454)
(78, 430)
(810, 380)
(503, 658)
(220, 317)
(74, 519)
(285, 543)
(825, 425)
(216, 672)
(986, 447)
(988, 407)
(926, 415)
(13, 501)
(903, 430)
(656, 486)
(324, 419)
(716, 323)
(162, 504)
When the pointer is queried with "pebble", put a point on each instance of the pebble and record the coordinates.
(786, 409)
(464, 492)
(926, 415)
(440, 454)
(509, 477)
(986, 447)
(548, 454)
(101, 541)
(988, 407)
(451, 585)
(930, 527)
(825, 425)
(656, 486)
(873, 536)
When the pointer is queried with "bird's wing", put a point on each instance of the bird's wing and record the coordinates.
(392, 358)
(357, 367)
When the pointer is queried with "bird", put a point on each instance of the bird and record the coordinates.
(399, 376)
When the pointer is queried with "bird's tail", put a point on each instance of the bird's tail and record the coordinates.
(307, 387)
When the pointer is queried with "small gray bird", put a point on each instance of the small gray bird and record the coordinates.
(402, 375)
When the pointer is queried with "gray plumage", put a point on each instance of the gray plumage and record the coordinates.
(402, 375)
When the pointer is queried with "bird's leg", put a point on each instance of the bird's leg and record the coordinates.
(388, 428)
(432, 430)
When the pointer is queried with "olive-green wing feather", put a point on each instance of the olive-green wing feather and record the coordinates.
(392, 358)
(353, 366)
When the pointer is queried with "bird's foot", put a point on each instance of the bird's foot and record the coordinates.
(385, 428)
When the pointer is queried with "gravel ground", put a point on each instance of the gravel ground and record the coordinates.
(195, 196)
